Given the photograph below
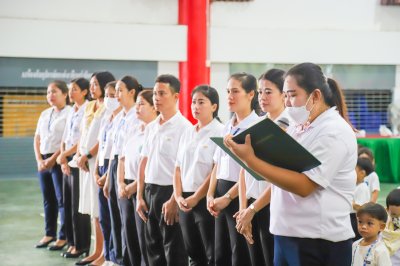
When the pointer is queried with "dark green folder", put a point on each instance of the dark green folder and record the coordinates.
(273, 145)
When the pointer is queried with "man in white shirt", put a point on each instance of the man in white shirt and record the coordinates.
(156, 204)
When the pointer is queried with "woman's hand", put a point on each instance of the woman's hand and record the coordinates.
(121, 190)
(105, 190)
(41, 166)
(218, 205)
(243, 151)
(130, 190)
(243, 219)
(49, 163)
(141, 208)
(61, 159)
(82, 163)
(65, 169)
(187, 204)
(101, 181)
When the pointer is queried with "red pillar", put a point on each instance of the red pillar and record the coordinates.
(195, 71)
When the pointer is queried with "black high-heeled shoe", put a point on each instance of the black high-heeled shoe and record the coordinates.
(77, 254)
(83, 262)
(44, 244)
(54, 247)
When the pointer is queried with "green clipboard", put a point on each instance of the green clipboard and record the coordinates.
(273, 145)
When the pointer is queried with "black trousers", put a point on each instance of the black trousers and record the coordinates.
(198, 233)
(140, 228)
(77, 225)
(115, 214)
(262, 251)
(164, 243)
(230, 246)
(51, 182)
(130, 239)
(353, 220)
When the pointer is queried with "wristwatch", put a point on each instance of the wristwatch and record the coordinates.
(88, 155)
(228, 196)
(253, 208)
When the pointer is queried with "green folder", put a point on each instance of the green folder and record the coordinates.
(272, 145)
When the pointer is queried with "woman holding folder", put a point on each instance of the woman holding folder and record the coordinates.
(310, 210)
(222, 200)
(252, 220)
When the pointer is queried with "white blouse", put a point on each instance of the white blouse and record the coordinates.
(131, 151)
(195, 155)
(72, 131)
(50, 128)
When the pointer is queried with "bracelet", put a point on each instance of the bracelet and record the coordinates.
(228, 196)
(88, 155)
(253, 208)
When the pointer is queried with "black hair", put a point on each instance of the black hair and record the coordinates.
(62, 86)
(276, 76)
(211, 94)
(147, 95)
(366, 165)
(111, 84)
(103, 78)
(368, 152)
(171, 80)
(374, 210)
(309, 76)
(393, 198)
(83, 85)
(132, 84)
(249, 84)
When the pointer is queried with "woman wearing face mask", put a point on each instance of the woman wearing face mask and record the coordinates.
(112, 108)
(47, 143)
(86, 157)
(222, 195)
(74, 221)
(128, 170)
(192, 176)
(310, 210)
(125, 243)
(253, 218)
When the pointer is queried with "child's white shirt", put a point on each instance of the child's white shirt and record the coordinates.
(361, 195)
(377, 256)
(372, 180)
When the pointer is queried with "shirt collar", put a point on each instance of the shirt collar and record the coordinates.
(248, 120)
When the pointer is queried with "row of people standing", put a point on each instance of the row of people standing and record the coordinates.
(169, 170)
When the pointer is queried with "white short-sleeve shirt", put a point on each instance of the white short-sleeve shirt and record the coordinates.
(254, 187)
(131, 151)
(161, 147)
(227, 168)
(325, 213)
(361, 194)
(72, 131)
(123, 125)
(195, 155)
(105, 138)
(50, 128)
(377, 256)
(372, 180)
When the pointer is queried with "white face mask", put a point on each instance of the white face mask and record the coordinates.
(111, 103)
(300, 114)
(396, 221)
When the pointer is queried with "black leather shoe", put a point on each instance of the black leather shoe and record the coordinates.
(54, 247)
(83, 262)
(76, 255)
(44, 244)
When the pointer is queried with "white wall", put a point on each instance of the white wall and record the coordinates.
(330, 31)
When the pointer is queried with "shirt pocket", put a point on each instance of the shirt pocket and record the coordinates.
(168, 146)
(205, 153)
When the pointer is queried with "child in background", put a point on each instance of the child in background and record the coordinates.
(372, 180)
(361, 194)
(370, 249)
(391, 234)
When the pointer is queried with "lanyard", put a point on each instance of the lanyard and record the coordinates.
(119, 131)
(236, 131)
(366, 255)
(50, 120)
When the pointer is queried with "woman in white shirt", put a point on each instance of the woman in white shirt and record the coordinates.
(254, 195)
(123, 226)
(192, 176)
(310, 211)
(128, 170)
(222, 195)
(75, 223)
(104, 138)
(47, 143)
(86, 157)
